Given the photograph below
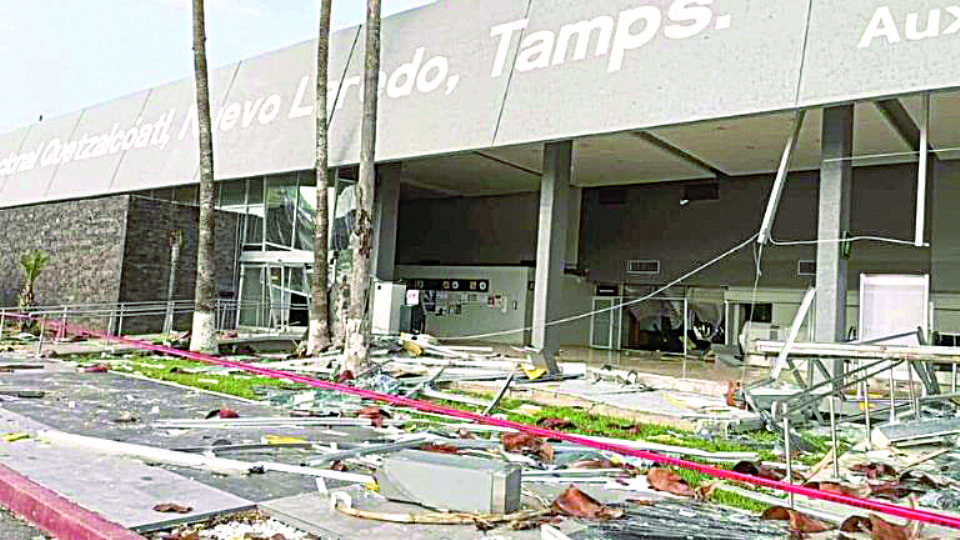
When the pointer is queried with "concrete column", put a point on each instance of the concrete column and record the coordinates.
(836, 172)
(386, 209)
(574, 208)
(551, 248)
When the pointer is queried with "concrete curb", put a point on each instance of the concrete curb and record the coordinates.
(54, 514)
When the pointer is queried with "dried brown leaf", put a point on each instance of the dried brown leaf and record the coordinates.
(592, 464)
(892, 490)
(555, 423)
(884, 530)
(483, 525)
(374, 414)
(575, 503)
(757, 469)
(799, 523)
(838, 489)
(338, 466)
(527, 444)
(855, 524)
(440, 448)
(96, 368)
(664, 480)
(874, 470)
(345, 376)
(172, 508)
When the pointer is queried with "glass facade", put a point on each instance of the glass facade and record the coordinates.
(277, 226)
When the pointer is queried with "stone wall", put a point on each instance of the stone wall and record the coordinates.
(147, 257)
(84, 240)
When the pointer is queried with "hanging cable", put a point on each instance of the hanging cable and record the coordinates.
(566, 320)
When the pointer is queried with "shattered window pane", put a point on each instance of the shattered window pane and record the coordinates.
(233, 193)
(281, 208)
(305, 216)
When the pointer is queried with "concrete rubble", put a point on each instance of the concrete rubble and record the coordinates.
(317, 462)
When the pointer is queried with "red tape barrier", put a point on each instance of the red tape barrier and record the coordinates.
(911, 514)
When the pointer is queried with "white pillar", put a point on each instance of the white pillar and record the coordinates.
(386, 209)
(836, 173)
(551, 248)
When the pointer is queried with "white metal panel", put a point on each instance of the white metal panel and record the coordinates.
(894, 304)
(388, 298)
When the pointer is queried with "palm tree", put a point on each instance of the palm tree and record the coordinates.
(358, 323)
(204, 336)
(319, 334)
(33, 262)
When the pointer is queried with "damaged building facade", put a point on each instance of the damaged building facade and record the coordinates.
(544, 160)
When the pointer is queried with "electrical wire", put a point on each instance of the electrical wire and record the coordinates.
(566, 320)
(846, 241)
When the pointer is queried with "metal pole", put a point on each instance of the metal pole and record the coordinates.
(62, 331)
(922, 171)
(684, 331)
(893, 404)
(3, 322)
(953, 387)
(866, 409)
(43, 324)
(786, 449)
(781, 179)
(106, 332)
(833, 436)
(911, 393)
(120, 322)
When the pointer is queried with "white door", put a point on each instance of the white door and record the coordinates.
(605, 323)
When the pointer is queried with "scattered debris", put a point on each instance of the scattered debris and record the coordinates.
(575, 503)
(222, 413)
(757, 469)
(126, 418)
(799, 523)
(524, 443)
(172, 508)
(96, 368)
(668, 481)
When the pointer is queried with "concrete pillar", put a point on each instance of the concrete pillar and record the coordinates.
(836, 172)
(386, 209)
(574, 208)
(551, 248)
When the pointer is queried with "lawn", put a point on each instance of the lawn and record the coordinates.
(213, 378)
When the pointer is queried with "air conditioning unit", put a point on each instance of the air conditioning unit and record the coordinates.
(643, 268)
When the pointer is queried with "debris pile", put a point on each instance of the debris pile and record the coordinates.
(398, 464)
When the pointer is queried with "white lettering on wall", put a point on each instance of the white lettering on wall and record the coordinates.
(59, 152)
(632, 29)
(883, 26)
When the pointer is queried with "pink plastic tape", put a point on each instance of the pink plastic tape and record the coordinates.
(911, 514)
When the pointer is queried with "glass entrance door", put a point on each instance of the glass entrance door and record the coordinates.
(275, 296)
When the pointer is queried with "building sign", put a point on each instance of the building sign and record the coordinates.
(608, 290)
(859, 49)
(503, 72)
(453, 285)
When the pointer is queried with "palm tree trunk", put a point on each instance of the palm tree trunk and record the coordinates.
(319, 335)
(358, 324)
(204, 337)
(176, 242)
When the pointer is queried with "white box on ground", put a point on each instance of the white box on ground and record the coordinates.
(388, 298)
